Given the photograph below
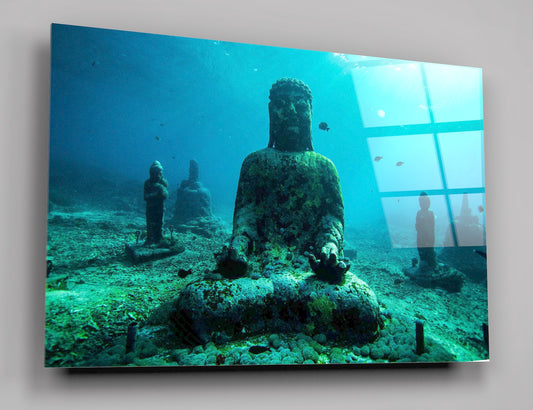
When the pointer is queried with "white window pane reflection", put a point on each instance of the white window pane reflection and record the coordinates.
(405, 163)
(455, 92)
(462, 154)
(469, 220)
(390, 94)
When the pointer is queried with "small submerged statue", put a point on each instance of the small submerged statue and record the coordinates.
(288, 204)
(425, 233)
(288, 195)
(193, 207)
(155, 246)
(429, 273)
(155, 193)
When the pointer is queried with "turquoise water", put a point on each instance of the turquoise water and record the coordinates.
(120, 100)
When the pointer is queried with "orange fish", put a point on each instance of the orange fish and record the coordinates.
(377, 159)
(480, 208)
(399, 163)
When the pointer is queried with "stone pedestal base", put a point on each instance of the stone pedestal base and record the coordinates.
(208, 227)
(444, 277)
(221, 310)
(467, 260)
(140, 253)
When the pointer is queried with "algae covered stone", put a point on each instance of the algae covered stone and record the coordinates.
(288, 195)
(288, 205)
(228, 309)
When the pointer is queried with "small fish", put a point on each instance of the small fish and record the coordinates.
(173, 157)
(157, 138)
(378, 158)
(480, 208)
(161, 124)
(399, 163)
(259, 349)
(93, 63)
(323, 126)
(481, 253)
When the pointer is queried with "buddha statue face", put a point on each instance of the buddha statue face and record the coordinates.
(290, 116)
(156, 172)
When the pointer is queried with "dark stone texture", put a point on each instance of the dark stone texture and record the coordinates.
(139, 253)
(443, 276)
(192, 212)
(289, 198)
(221, 310)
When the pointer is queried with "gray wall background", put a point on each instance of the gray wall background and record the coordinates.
(491, 34)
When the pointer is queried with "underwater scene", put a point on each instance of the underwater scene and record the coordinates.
(222, 204)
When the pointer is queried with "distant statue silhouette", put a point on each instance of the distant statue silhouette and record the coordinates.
(155, 193)
(193, 199)
(425, 233)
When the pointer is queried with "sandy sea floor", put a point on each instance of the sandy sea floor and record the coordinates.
(94, 292)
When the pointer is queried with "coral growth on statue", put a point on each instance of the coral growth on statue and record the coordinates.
(283, 268)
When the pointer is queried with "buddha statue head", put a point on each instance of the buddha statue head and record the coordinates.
(290, 116)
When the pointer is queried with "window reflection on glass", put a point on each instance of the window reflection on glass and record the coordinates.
(462, 155)
(405, 163)
(469, 220)
(400, 214)
(391, 94)
(436, 155)
(455, 92)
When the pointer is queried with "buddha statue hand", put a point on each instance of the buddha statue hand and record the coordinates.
(328, 267)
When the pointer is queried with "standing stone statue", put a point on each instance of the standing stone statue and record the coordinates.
(155, 246)
(155, 193)
(425, 233)
(430, 273)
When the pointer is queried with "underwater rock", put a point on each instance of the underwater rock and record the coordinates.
(463, 238)
(467, 260)
(443, 276)
(223, 310)
(208, 227)
(140, 253)
(192, 212)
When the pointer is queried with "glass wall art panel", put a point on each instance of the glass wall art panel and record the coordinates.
(225, 205)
